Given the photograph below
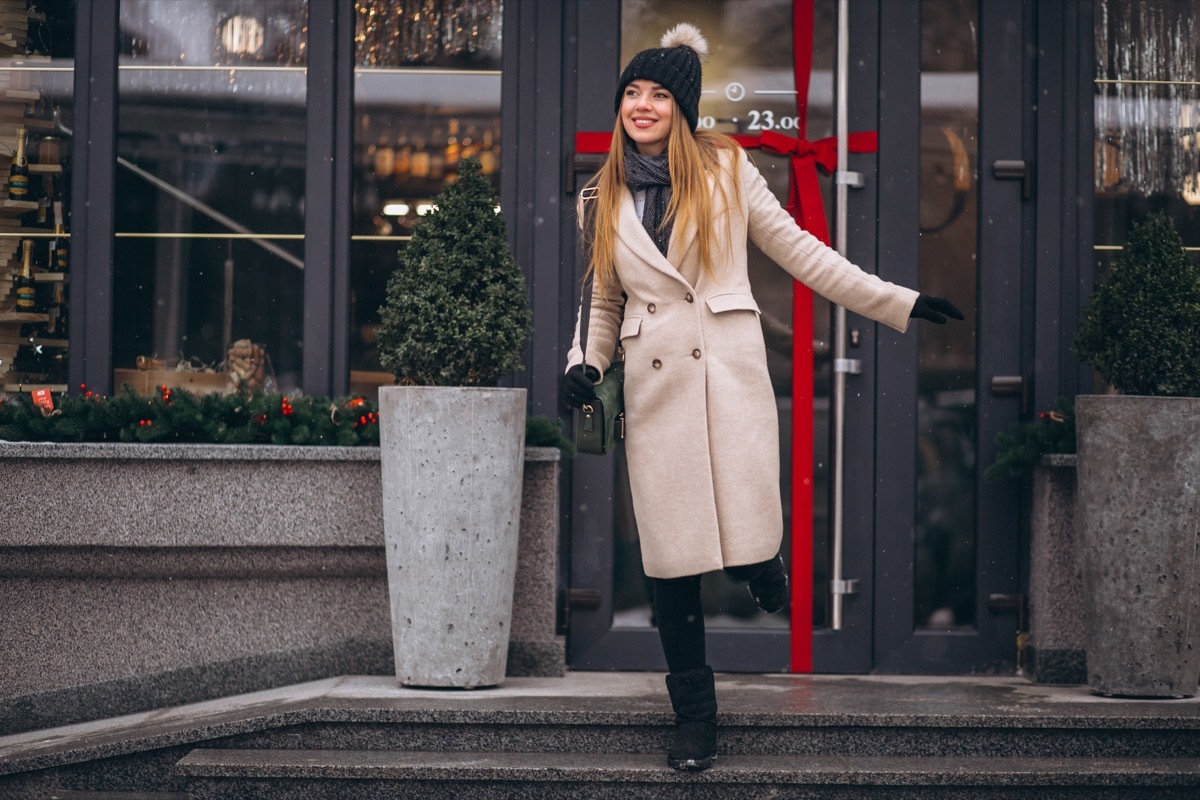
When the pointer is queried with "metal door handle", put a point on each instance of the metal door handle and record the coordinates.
(1012, 386)
(1016, 170)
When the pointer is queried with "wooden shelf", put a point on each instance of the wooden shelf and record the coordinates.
(23, 95)
(29, 123)
(22, 341)
(23, 316)
(21, 205)
(29, 233)
(29, 387)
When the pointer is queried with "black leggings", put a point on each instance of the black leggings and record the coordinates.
(680, 617)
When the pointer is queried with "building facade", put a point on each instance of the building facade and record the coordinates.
(247, 170)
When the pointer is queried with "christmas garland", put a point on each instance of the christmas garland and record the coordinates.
(179, 416)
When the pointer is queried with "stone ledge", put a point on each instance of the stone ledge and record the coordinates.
(211, 452)
(159, 566)
(127, 563)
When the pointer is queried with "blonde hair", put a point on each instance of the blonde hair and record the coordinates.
(692, 158)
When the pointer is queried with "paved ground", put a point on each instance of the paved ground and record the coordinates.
(861, 700)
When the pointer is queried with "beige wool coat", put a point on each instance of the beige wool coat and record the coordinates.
(702, 432)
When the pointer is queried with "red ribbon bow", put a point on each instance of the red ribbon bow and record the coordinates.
(804, 190)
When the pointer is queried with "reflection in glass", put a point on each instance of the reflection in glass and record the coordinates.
(749, 87)
(945, 462)
(37, 66)
(392, 33)
(210, 186)
(427, 95)
(1147, 146)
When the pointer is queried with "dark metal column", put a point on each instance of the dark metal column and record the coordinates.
(93, 155)
(1064, 194)
(895, 490)
(327, 213)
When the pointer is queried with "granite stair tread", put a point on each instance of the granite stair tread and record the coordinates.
(84, 794)
(602, 767)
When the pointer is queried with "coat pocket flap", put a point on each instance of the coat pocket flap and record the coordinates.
(630, 326)
(732, 301)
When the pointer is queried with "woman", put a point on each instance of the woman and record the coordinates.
(666, 221)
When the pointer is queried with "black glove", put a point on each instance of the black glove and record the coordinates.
(579, 385)
(935, 309)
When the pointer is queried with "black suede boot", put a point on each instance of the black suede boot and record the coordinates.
(694, 698)
(769, 588)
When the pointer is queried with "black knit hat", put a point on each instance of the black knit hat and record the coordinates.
(675, 66)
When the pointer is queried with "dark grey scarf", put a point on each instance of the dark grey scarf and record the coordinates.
(650, 173)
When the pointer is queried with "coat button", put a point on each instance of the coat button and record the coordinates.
(650, 308)
(688, 297)
(656, 363)
(695, 353)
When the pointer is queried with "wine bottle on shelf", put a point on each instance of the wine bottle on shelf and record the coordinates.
(60, 250)
(384, 159)
(403, 163)
(41, 218)
(24, 287)
(419, 162)
(453, 147)
(56, 328)
(57, 207)
(489, 161)
(18, 173)
(437, 156)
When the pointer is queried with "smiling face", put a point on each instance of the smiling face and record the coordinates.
(646, 111)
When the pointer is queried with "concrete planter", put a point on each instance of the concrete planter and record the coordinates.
(1138, 513)
(1056, 643)
(452, 466)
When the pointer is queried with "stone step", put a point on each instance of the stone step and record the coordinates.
(741, 734)
(605, 713)
(84, 794)
(294, 774)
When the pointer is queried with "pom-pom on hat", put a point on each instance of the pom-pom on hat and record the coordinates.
(674, 65)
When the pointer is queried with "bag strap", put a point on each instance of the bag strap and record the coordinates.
(585, 297)
(585, 316)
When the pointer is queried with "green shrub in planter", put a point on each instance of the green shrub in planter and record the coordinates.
(1021, 445)
(1141, 327)
(456, 313)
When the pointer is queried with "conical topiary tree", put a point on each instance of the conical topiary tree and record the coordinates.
(456, 312)
(1141, 326)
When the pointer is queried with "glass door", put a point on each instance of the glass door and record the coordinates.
(954, 218)
(929, 548)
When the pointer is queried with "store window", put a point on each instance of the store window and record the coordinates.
(427, 95)
(210, 188)
(1147, 116)
(37, 74)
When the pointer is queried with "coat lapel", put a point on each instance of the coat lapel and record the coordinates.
(631, 232)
